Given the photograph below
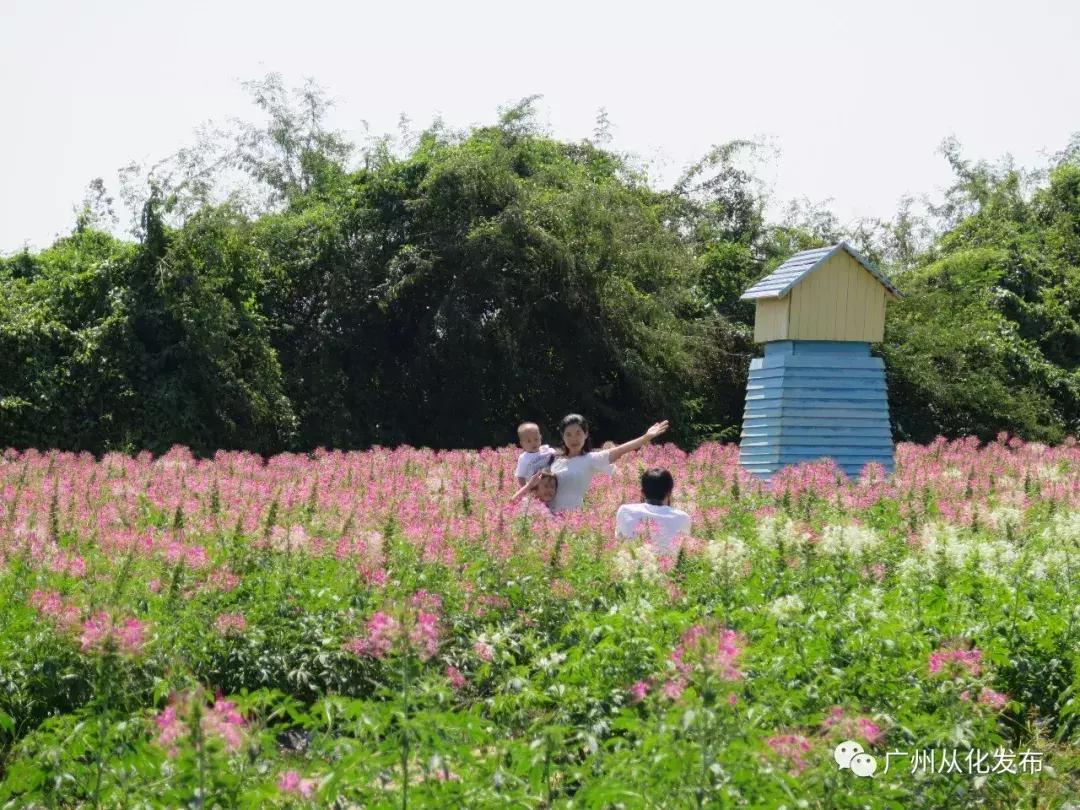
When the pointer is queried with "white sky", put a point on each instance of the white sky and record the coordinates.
(856, 94)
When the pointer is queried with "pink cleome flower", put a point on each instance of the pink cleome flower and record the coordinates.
(955, 661)
(988, 697)
(291, 782)
(99, 631)
(712, 650)
(638, 691)
(383, 632)
(228, 624)
(995, 700)
(220, 720)
(65, 614)
(855, 726)
(426, 600)
(454, 675)
(424, 636)
(791, 747)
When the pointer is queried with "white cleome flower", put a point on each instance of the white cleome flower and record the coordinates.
(728, 552)
(786, 607)
(852, 539)
(774, 530)
(1064, 529)
(636, 560)
(1004, 516)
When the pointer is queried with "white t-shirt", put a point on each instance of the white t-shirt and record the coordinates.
(669, 522)
(531, 463)
(575, 474)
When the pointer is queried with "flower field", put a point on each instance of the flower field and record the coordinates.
(380, 629)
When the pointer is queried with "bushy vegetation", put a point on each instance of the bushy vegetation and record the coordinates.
(436, 292)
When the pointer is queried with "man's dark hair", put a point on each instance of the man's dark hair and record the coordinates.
(656, 485)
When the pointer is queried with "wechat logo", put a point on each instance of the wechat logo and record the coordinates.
(849, 754)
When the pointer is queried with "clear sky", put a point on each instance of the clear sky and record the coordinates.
(856, 94)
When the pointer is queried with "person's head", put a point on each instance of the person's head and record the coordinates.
(546, 487)
(656, 486)
(574, 430)
(529, 436)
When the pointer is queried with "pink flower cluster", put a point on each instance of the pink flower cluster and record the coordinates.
(192, 556)
(955, 661)
(792, 748)
(99, 631)
(382, 630)
(72, 566)
(65, 614)
(292, 782)
(701, 650)
(989, 698)
(454, 675)
(229, 624)
(426, 600)
(220, 720)
(420, 635)
(712, 650)
(852, 727)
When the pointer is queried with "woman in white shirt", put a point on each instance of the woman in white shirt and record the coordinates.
(577, 465)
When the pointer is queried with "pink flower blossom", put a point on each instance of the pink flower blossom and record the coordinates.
(424, 635)
(561, 589)
(99, 630)
(66, 615)
(453, 674)
(988, 697)
(229, 624)
(638, 691)
(220, 720)
(791, 747)
(955, 661)
(711, 650)
(383, 632)
(673, 688)
(291, 782)
(852, 727)
(483, 650)
(426, 600)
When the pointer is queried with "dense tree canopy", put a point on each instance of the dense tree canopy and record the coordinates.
(440, 294)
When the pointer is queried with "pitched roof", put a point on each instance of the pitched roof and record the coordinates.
(780, 281)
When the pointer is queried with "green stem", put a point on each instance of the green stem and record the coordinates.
(405, 732)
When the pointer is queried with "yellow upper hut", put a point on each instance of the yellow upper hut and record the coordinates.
(831, 293)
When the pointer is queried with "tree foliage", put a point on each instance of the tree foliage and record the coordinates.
(438, 292)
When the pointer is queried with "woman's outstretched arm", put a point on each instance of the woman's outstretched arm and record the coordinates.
(616, 453)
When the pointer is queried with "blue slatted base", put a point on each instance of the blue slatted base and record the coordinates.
(807, 399)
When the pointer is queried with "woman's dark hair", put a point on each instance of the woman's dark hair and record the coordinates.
(581, 422)
(656, 485)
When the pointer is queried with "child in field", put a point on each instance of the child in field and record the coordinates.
(534, 456)
(542, 485)
(668, 523)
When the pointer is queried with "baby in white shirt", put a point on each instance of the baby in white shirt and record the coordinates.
(535, 456)
(667, 523)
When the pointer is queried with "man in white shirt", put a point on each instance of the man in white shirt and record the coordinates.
(666, 523)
